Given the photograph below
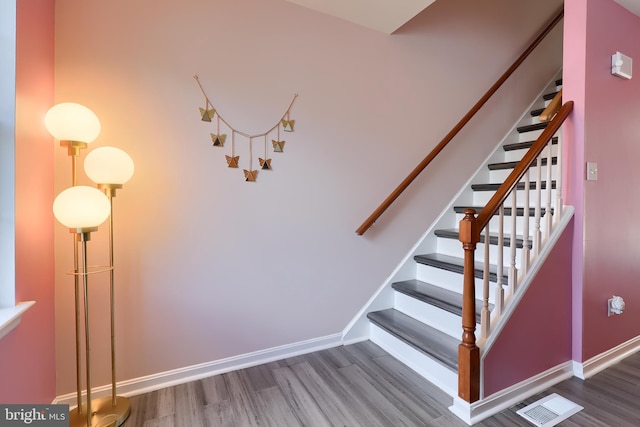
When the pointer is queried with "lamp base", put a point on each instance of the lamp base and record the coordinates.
(104, 414)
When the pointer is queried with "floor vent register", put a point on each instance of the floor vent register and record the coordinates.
(549, 410)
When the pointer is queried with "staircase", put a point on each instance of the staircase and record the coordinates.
(418, 320)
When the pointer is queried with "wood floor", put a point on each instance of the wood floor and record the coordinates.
(361, 385)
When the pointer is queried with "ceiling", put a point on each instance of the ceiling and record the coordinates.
(389, 15)
(631, 5)
(381, 15)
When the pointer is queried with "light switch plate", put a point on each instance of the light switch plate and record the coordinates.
(592, 171)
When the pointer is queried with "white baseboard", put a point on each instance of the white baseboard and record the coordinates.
(161, 380)
(478, 411)
(602, 361)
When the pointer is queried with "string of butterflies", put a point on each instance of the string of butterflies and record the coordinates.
(210, 114)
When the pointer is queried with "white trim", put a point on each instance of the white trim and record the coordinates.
(7, 154)
(478, 411)
(10, 316)
(604, 360)
(187, 374)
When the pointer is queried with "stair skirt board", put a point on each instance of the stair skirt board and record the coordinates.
(475, 412)
(433, 371)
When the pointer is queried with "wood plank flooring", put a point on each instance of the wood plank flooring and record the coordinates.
(361, 385)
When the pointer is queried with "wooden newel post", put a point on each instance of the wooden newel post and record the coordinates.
(468, 352)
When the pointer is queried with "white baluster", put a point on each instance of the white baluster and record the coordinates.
(524, 264)
(485, 318)
(559, 167)
(537, 235)
(547, 213)
(513, 271)
(499, 303)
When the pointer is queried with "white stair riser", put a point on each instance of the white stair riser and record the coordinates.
(529, 136)
(516, 155)
(481, 198)
(450, 280)
(500, 175)
(428, 368)
(449, 323)
(454, 248)
(494, 224)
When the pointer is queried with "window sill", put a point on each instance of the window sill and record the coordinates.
(10, 316)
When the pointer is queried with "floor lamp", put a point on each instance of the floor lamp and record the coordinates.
(76, 126)
(111, 168)
(82, 209)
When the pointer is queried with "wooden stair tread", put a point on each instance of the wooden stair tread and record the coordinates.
(423, 338)
(444, 299)
(456, 265)
(507, 211)
(493, 238)
(549, 96)
(519, 186)
(530, 128)
(536, 112)
(511, 165)
(524, 145)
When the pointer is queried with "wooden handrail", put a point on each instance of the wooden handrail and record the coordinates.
(553, 107)
(470, 229)
(425, 162)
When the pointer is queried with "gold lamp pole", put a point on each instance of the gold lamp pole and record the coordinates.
(111, 168)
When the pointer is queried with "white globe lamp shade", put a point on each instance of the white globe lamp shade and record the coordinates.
(81, 207)
(69, 121)
(108, 165)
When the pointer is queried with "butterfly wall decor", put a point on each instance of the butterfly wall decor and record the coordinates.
(211, 115)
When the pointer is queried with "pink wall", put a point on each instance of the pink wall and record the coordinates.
(27, 357)
(604, 130)
(538, 335)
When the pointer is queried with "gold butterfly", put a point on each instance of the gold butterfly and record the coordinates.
(265, 163)
(287, 125)
(250, 176)
(278, 146)
(218, 140)
(207, 115)
(232, 161)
